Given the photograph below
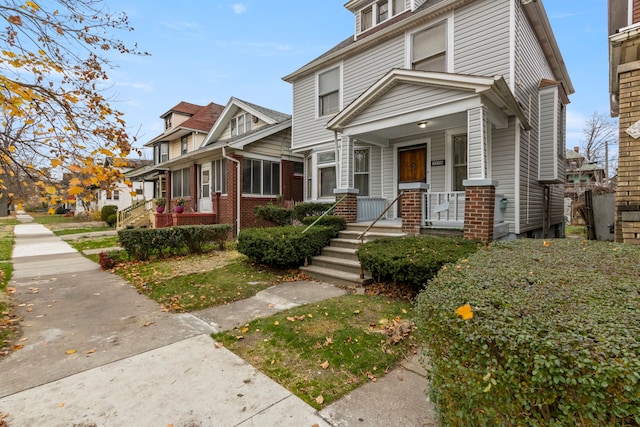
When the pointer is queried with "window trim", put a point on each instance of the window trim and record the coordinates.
(326, 164)
(246, 124)
(449, 35)
(374, 10)
(184, 144)
(319, 95)
(262, 182)
(219, 173)
(182, 172)
(368, 172)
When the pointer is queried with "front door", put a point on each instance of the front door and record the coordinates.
(412, 166)
(205, 189)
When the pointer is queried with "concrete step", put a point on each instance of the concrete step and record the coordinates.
(342, 253)
(338, 264)
(381, 226)
(344, 243)
(336, 277)
(371, 234)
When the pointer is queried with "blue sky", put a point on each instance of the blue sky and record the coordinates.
(210, 50)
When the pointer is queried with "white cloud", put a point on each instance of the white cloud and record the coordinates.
(239, 8)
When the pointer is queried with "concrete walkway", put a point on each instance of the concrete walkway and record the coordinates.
(97, 353)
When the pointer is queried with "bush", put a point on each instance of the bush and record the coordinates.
(142, 243)
(337, 222)
(554, 337)
(283, 247)
(61, 210)
(112, 219)
(413, 260)
(107, 211)
(107, 262)
(302, 210)
(277, 215)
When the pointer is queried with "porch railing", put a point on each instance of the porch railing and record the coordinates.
(443, 209)
(370, 207)
(133, 213)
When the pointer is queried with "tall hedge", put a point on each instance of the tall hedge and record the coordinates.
(283, 247)
(536, 333)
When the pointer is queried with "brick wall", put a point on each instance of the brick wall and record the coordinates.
(348, 208)
(411, 208)
(628, 191)
(636, 11)
(479, 209)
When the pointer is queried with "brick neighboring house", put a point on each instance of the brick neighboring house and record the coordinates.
(459, 104)
(624, 87)
(223, 161)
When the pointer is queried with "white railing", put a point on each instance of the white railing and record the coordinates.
(133, 213)
(369, 208)
(445, 209)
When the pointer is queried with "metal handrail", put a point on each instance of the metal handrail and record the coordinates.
(361, 236)
(326, 212)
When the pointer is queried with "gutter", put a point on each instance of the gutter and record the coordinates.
(238, 192)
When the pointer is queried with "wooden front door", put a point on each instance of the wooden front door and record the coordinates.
(412, 165)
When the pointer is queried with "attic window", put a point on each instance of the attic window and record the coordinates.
(366, 19)
(383, 11)
(241, 124)
(398, 7)
(429, 49)
(167, 122)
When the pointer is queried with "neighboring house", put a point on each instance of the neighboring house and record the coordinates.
(624, 87)
(460, 104)
(242, 161)
(121, 195)
(582, 174)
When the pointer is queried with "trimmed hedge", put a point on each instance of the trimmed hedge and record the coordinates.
(107, 211)
(277, 215)
(142, 243)
(552, 335)
(337, 222)
(412, 260)
(305, 209)
(283, 247)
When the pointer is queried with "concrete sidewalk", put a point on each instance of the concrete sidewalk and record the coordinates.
(97, 353)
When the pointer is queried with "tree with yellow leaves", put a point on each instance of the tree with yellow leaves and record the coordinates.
(55, 116)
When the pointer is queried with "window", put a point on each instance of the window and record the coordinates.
(116, 194)
(219, 173)
(429, 49)
(366, 19)
(398, 7)
(326, 174)
(459, 161)
(184, 144)
(241, 124)
(361, 171)
(309, 177)
(298, 168)
(329, 92)
(383, 11)
(167, 122)
(161, 153)
(260, 177)
(181, 183)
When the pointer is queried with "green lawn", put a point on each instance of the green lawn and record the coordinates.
(80, 230)
(97, 243)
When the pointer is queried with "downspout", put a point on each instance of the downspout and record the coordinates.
(238, 193)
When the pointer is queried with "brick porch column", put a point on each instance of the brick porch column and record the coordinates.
(479, 207)
(348, 208)
(411, 206)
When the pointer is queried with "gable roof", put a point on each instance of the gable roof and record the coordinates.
(267, 115)
(494, 88)
(202, 120)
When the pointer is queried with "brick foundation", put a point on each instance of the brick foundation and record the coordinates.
(348, 208)
(479, 209)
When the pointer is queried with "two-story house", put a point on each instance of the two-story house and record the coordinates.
(458, 105)
(223, 160)
(624, 87)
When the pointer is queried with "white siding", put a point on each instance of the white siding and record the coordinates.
(502, 163)
(307, 129)
(437, 151)
(405, 98)
(275, 145)
(477, 139)
(375, 156)
(549, 112)
(481, 42)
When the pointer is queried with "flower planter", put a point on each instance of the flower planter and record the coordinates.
(159, 209)
(178, 209)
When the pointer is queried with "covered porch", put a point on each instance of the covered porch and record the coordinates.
(428, 138)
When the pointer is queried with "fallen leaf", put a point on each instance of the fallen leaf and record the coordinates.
(244, 330)
(148, 323)
(71, 351)
(465, 312)
(356, 312)
(276, 323)
(310, 316)
(93, 350)
(404, 311)
(219, 345)
(61, 405)
(320, 400)
(291, 319)
(23, 339)
(18, 347)
(271, 305)
(11, 290)
(324, 365)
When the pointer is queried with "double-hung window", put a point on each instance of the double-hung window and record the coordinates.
(241, 124)
(383, 11)
(329, 92)
(429, 48)
(459, 162)
(361, 171)
(326, 173)
(161, 153)
(219, 176)
(366, 19)
(260, 177)
(180, 183)
(184, 144)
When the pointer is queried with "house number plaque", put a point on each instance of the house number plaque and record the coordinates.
(437, 162)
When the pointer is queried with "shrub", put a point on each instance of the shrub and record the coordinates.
(277, 215)
(283, 247)
(413, 260)
(302, 210)
(107, 262)
(61, 210)
(196, 236)
(554, 337)
(337, 222)
(112, 219)
(107, 211)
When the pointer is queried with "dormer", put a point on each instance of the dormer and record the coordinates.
(373, 14)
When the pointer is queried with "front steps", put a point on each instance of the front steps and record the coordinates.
(338, 262)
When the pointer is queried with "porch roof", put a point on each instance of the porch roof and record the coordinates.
(494, 89)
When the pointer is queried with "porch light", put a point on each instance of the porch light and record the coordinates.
(423, 124)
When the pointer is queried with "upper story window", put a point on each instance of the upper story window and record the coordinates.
(429, 48)
(184, 144)
(329, 92)
(167, 122)
(241, 124)
(161, 153)
(381, 10)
